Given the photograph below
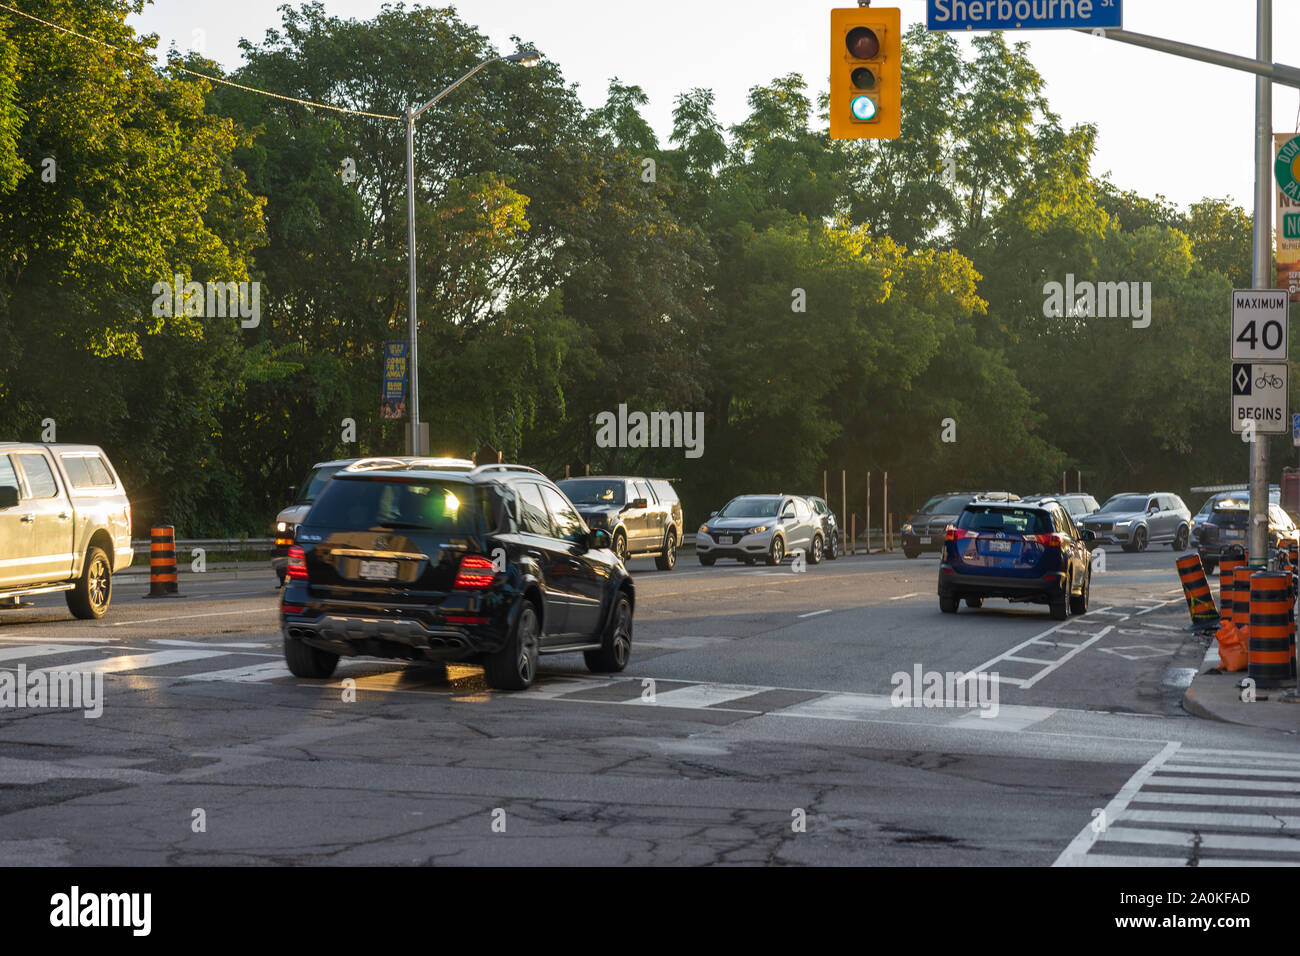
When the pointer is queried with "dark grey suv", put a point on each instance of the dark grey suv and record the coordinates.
(642, 515)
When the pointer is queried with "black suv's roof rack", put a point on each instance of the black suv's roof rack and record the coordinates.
(482, 469)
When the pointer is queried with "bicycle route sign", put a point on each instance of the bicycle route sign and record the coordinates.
(1259, 395)
(1259, 323)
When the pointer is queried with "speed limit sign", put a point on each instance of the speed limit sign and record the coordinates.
(1259, 322)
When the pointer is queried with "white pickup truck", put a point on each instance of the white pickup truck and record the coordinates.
(65, 525)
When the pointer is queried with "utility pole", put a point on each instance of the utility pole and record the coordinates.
(1262, 264)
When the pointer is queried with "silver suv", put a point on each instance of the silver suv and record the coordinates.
(1134, 521)
(761, 526)
(65, 525)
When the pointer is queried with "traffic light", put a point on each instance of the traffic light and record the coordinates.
(866, 73)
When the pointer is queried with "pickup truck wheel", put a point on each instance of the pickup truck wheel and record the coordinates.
(307, 661)
(616, 645)
(668, 560)
(90, 598)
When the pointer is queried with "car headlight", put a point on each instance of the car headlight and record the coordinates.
(704, 529)
(281, 526)
(1123, 524)
(759, 530)
(907, 529)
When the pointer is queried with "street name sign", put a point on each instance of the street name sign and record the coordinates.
(1259, 324)
(1023, 14)
(1259, 394)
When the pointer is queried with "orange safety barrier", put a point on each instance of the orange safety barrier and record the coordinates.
(1272, 650)
(1241, 600)
(1200, 602)
(1227, 587)
(162, 563)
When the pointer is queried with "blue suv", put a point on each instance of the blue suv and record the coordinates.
(1021, 551)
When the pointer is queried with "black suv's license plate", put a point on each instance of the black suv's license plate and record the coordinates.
(379, 570)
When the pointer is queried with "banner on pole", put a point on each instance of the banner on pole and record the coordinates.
(394, 394)
(1287, 166)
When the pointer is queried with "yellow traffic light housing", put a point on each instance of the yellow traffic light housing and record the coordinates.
(866, 73)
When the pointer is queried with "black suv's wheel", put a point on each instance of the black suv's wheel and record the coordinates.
(776, 553)
(620, 546)
(668, 559)
(948, 603)
(1180, 539)
(94, 591)
(1079, 605)
(307, 661)
(515, 665)
(280, 575)
(616, 645)
(816, 551)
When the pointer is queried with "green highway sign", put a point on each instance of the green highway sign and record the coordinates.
(1287, 168)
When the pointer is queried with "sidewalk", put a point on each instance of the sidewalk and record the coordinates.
(1216, 696)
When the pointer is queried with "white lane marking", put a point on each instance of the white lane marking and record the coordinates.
(700, 696)
(190, 617)
(1031, 681)
(815, 613)
(244, 675)
(837, 707)
(1026, 660)
(1259, 821)
(170, 642)
(1262, 759)
(1236, 771)
(1209, 841)
(902, 597)
(1009, 718)
(1076, 853)
(40, 650)
(558, 687)
(47, 639)
(1101, 859)
(684, 643)
(1221, 800)
(1109, 613)
(1155, 607)
(135, 662)
(1202, 752)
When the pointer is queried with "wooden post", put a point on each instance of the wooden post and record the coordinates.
(824, 486)
(855, 533)
(566, 471)
(587, 466)
(1063, 488)
(868, 512)
(844, 507)
(889, 541)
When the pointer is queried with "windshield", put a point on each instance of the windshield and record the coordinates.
(310, 488)
(750, 507)
(944, 505)
(594, 491)
(1126, 504)
(420, 504)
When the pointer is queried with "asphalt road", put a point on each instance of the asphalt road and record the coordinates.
(754, 725)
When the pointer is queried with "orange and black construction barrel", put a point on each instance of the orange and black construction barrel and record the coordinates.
(1272, 650)
(1228, 587)
(1200, 602)
(162, 563)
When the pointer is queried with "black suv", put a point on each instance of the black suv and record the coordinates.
(406, 560)
(923, 531)
(642, 515)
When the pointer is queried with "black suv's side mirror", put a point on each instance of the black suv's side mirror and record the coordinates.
(598, 539)
(712, 514)
(640, 503)
(1088, 536)
(8, 496)
(291, 495)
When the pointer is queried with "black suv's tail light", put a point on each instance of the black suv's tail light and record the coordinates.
(297, 568)
(475, 571)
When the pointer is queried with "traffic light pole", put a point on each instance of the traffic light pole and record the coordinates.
(1267, 73)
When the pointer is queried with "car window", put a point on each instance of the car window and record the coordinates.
(595, 491)
(40, 480)
(1009, 520)
(664, 492)
(442, 507)
(749, 506)
(802, 510)
(642, 490)
(99, 473)
(311, 486)
(75, 466)
(787, 510)
(8, 477)
(533, 514)
(566, 519)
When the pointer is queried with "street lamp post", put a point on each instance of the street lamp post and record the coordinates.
(522, 57)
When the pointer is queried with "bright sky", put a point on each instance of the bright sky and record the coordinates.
(1167, 125)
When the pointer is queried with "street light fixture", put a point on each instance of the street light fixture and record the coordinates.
(523, 58)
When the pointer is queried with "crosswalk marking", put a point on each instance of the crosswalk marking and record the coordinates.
(702, 695)
(135, 662)
(244, 675)
(1187, 803)
(41, 650)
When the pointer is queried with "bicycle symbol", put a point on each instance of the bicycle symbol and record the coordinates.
(1269, 380)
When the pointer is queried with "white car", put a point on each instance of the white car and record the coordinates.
(761, 526)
